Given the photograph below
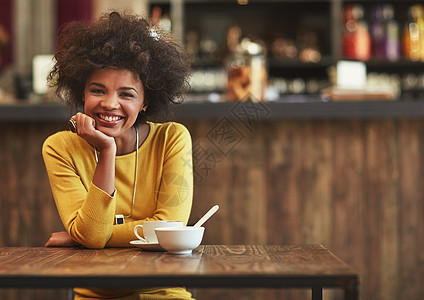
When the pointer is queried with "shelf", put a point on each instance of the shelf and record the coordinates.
(280, 17)
(289, 108)
(50, 112)
(310, 109)
(157, 2)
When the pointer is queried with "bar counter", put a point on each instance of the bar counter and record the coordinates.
(287, 108)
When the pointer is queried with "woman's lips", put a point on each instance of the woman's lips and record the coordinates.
(108, 119)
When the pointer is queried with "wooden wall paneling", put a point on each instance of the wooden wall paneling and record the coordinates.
(293, 176)
(312, 190)
(34, 294)
(249, 198)
(10, 220)
(27, 156)
(411, 248)
(381, 165)
(194, 216)
(28, 211)
(317, 200)
(235, 180)
(4, 183)
(47, 217)
(283, 166)
(238, 199)
(348, 194)
(373, 213)
(389, 186)
(14, 193)
(420, 208)
(211, 184)
(316, 187)
(231, 175)
(248, 192)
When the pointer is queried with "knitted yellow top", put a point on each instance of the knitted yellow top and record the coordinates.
(164, 185)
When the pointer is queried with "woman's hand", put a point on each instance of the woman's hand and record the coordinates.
(86, 128)
(61, 239)
(104, 176)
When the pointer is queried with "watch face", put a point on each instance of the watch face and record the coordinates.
(119, 219)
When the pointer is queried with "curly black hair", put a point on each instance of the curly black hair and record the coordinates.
(124, 41)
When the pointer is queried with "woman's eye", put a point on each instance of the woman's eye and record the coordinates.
(97, 91)
(127, 95)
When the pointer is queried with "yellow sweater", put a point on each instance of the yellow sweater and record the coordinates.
(164, 185)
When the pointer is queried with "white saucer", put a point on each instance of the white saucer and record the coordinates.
(147, 246)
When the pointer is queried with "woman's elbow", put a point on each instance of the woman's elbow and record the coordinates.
(91, 239)
(94, 244)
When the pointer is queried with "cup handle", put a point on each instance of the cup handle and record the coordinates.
(136, 233)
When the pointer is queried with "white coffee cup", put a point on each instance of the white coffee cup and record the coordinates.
(149, 229)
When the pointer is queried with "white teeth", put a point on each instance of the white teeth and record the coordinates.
(110, 118)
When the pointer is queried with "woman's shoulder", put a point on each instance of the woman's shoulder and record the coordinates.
(169, 128)
(63, 141)
(169, 133)
(61, 138)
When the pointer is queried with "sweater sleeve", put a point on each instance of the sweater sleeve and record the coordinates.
(175, 192)
(85, 210)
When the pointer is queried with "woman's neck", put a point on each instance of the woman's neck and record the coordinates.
(127, 143)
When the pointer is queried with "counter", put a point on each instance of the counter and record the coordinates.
(290, 108)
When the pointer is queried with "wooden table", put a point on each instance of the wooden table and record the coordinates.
(232, 266)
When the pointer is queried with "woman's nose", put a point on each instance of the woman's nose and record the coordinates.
(110, 102)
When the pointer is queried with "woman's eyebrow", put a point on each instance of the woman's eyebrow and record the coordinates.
(125, 88)
(97, 84)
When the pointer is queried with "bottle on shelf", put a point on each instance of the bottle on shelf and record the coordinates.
(356, 37)
(413, 34)
(384, 33)
(247, 74)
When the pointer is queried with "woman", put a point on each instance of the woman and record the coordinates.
(120, 168)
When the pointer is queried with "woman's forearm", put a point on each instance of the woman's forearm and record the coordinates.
(104, 176)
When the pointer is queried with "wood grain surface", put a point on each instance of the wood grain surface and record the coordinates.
(210, 266)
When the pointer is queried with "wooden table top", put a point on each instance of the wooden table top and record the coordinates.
(208, 266)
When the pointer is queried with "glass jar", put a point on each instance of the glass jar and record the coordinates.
(247, 73)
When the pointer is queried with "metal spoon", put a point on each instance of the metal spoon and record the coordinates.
(206, 216)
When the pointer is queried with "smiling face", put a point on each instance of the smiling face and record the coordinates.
(113, 98)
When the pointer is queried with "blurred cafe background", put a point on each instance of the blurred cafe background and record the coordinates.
(307, 119)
